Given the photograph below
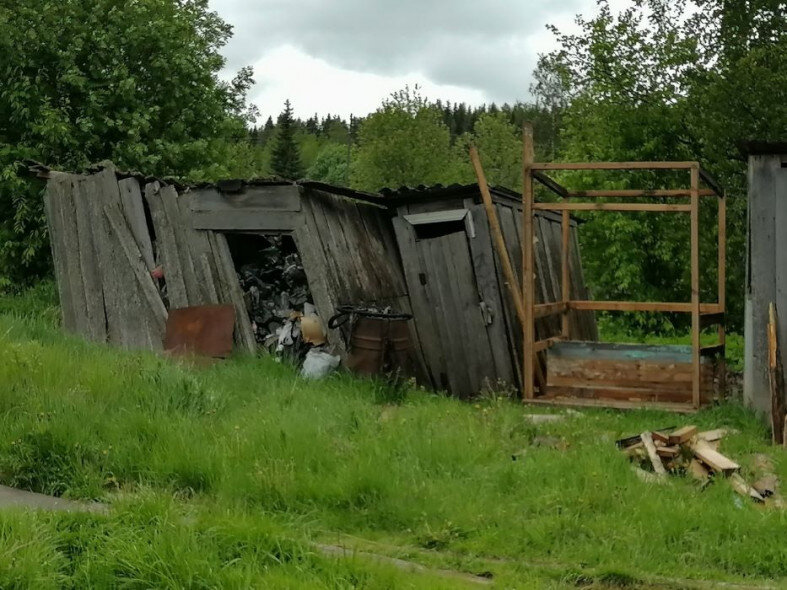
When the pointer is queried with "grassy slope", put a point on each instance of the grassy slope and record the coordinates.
(223, 475)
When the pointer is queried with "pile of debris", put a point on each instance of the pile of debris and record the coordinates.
(687, 451)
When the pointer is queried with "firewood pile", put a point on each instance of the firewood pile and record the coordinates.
(686, 451)
(275, 289)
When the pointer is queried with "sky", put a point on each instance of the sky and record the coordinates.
(345, 56)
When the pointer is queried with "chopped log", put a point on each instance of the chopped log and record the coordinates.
(681, 435)
(698, 471)
(713, 459)
(668, 452)
(744, 489)
(658, 466)
(766, 485)
(776, 381)
(660, 437)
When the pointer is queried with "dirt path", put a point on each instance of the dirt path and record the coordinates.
(13, 498)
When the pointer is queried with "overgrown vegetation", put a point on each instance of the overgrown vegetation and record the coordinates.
(224, 475)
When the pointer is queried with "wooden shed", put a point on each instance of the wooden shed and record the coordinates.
(766, 270)
(465, 319)
(344, 237)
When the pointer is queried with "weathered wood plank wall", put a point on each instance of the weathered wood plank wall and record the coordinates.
(766, 273)
(104, 254)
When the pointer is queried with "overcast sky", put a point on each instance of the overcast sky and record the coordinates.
(345, 56)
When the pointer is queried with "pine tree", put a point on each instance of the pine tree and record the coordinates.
(286, 156)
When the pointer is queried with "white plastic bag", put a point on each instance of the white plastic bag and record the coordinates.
(318, 364)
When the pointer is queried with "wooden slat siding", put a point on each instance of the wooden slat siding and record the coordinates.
(166, 248)
(510, 234)
(446, 318)
(88, 264)
(333, 247)
(122, 300)
(67, 211)
(134, 212)
(268, 198)
(244, 220)
(200, 254)
(382, 266)
(379, 232)
(458, 254)
(545, 233)
(169, 198)
(53, 204)
(344, 221)
(489, 292)
(152, 318)
(780, 266)
(632, 373)
(244, 334)
(423, 308)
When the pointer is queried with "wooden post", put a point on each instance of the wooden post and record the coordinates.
(695, 286)
(776, 380)
(566, 279)
(497, 236)
(722, 286)
(528, 281)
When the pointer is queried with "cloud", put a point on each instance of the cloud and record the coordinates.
(488, 48)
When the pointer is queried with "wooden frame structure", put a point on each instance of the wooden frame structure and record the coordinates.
(702, 314)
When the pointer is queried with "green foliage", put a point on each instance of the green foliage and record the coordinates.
(499, 143)
(286, 156)
(643, 85)
(135, 82)
(331, 165)
(404, 143)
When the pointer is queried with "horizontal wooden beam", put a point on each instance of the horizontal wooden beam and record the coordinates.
(547, 309)
(550, 184)
(578, 402)
(658, 306)
(631, 193)
(613, 165)
(566, 206)
(547, 343)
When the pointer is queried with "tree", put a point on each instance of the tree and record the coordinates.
(500, 146)
(405, 142)
(331, 165)
(87, 80)
(286, 157)
(643, 85)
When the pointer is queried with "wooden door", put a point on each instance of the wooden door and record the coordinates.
(451, 280)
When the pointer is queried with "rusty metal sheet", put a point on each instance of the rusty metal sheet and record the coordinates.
(202, 330)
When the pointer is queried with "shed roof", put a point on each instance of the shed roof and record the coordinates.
(763, 148)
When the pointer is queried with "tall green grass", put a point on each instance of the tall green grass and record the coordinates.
(260, 456)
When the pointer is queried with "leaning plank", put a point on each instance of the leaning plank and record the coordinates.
(55, 189)
(658, 466)
(156, 312)
(169, 199)
(134, 211)
(200, 252)
(166, 248)
(244, 335)
(713, 458)
(122, 299)
(775, 380)
(89, 266)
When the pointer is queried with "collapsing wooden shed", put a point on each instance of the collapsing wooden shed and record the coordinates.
(766, 267)
(465, 319)
(128, 249)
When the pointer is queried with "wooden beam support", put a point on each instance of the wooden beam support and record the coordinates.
(528, 275)
(540, 345)
(550, 184)
(657, 306)
(695, 286)
(722, 289)
(658, 207)
(614, 165)
(565, 279)
(547, 309)
(711, 182)
(633, 193)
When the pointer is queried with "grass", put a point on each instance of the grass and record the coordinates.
(225, 477)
